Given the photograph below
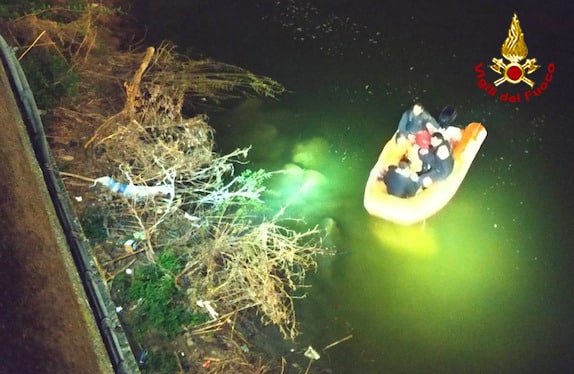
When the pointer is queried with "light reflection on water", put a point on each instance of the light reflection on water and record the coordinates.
(460, 292)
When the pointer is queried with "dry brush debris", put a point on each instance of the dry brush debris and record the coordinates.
(233, 256)
(233, 252)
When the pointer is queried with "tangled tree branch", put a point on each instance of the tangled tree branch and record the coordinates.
(233, 255)
(258, 266)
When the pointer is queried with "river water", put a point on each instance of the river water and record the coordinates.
(485, 286)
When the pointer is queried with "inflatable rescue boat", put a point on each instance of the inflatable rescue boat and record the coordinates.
(430, 200)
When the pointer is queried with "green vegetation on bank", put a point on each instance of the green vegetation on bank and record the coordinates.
(50, 77)
(10, 9)
(159, 307)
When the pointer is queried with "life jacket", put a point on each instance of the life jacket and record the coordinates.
(442, 166)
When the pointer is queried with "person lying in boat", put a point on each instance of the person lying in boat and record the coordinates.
(400, 180)
(437, 160)
(416, 125)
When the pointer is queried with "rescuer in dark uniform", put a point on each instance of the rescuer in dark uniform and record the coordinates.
(437, 160)
(400, 180)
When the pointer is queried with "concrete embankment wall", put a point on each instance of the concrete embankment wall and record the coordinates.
(55, 312)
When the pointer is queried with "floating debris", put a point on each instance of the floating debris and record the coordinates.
(312, 354)
(132, 191)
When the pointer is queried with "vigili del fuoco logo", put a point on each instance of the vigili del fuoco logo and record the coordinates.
(514, 69)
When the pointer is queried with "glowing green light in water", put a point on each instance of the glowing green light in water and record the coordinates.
(311, 153)
(419, 240)
(297, 185)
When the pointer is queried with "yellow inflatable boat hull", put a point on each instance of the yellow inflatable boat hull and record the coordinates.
(429, 201)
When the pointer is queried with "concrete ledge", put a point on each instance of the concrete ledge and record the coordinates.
(48, 323)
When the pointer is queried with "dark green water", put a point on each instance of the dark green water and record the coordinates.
(483, 287)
